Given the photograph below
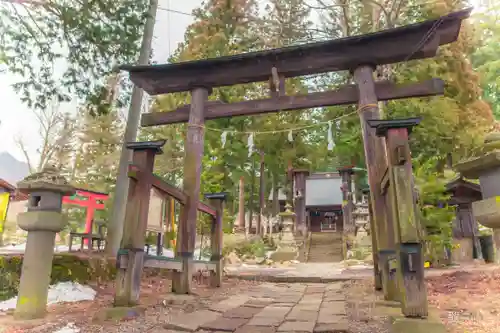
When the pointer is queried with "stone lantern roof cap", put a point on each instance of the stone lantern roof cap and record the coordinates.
(49, 180)
(492, 137)
(492, 142)
(489, 159)
(288, 211)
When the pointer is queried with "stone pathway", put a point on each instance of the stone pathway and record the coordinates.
(270, 308)
(327, 272)
(301, 272)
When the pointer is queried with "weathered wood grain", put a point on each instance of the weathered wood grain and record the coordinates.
(343, 96)
(384, 47)
(181, 282)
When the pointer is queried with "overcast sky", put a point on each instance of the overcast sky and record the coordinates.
(16, 119)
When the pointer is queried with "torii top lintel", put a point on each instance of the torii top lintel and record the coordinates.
(416, 41)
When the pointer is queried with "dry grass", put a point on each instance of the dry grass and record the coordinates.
(468, 302)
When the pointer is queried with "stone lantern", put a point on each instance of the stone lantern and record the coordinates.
(486, 168)
(42, 221)
(287, 247)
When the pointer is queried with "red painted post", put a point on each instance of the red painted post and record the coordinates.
(90, 204)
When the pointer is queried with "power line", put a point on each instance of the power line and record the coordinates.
(174, 11)
(169, 21)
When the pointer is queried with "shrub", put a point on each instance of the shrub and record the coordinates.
(247, 248)
(65, 267)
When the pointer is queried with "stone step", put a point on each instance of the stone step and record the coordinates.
(325, 247)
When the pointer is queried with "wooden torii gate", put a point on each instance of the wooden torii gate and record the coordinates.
(360, 55)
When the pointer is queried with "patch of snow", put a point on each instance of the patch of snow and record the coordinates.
(354, 267)
(269, 253)
(59, 293)
(69, 328)
(14, 247)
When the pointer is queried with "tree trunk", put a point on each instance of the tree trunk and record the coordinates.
(251, 197)
(276, 202)
(115, 227)
(261, 194)
(241, 207)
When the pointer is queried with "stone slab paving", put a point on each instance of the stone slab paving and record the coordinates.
(271, 308)
(326, 272)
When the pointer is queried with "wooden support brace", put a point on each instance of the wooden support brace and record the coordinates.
(186, 236)
(203, 207)
(169, 190)
(150, 262)
(128, 280)
(217, 200)
(170, 264)
(136, 173)
(409, 247)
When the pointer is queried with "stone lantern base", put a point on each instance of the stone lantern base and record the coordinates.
(287, 248)
(285, 255)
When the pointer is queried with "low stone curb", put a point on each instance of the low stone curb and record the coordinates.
(295, 279)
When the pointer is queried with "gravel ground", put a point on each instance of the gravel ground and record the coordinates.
(361, 312)
(467, 301)
(154, 296)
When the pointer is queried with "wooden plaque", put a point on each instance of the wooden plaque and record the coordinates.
(155, 216)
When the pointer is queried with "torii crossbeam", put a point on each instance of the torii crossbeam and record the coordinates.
(359, 54)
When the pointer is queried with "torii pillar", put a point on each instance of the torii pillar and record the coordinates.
(299, 195)
(376, 164)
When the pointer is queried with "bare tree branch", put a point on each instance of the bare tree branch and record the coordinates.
(26, 2)
(20, 143)
(381, 7)
(345, 18)
(323, 5)
(27, 26)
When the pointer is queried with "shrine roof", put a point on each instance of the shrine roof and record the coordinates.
(6, 185)
(459, 182)
(415, 41)
(16, 195)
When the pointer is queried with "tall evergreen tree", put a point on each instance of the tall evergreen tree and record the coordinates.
(98, 151)
(485, 57)
(91, 37)
(221, 27)
(460, 118)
